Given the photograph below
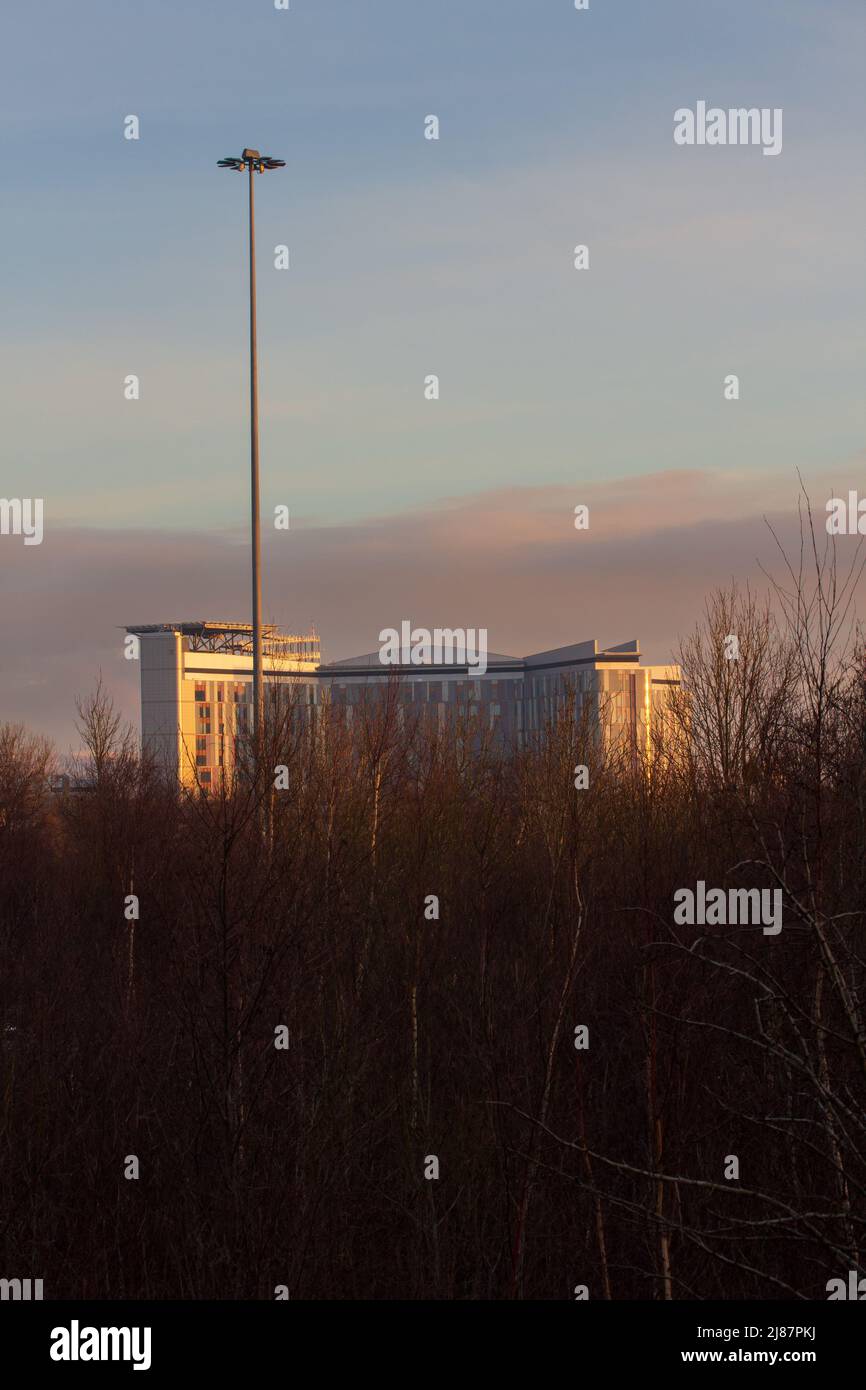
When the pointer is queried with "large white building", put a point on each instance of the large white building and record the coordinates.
(196, 689)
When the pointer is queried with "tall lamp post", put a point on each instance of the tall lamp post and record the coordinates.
(255, 163)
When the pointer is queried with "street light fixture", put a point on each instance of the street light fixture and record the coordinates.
(255, 163)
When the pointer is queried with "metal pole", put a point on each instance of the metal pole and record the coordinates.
(258, 691)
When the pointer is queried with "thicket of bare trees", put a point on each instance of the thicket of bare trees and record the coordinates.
(411, 1036)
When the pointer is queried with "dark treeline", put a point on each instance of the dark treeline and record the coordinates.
(412, 1036)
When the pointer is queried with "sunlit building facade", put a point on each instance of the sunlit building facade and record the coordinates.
(518, 698)
(196, 691)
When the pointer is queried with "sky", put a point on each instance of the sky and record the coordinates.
(411, 257)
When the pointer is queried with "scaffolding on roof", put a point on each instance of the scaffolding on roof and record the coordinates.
(236, 639)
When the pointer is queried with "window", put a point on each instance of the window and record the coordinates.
(201, 760)
(205, 777)
(199, 690)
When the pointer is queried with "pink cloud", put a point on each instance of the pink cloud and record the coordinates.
(509, 560)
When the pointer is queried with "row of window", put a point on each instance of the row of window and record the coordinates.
(232, 691)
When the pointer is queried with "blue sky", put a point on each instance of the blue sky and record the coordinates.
(410, 256)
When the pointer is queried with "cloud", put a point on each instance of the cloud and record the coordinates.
(508, 559)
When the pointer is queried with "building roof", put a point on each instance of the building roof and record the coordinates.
(192, 629)
(230, 637)
(578, 653)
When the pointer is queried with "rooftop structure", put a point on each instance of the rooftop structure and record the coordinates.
(236, 638)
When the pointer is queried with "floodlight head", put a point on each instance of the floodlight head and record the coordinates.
(259, 162)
